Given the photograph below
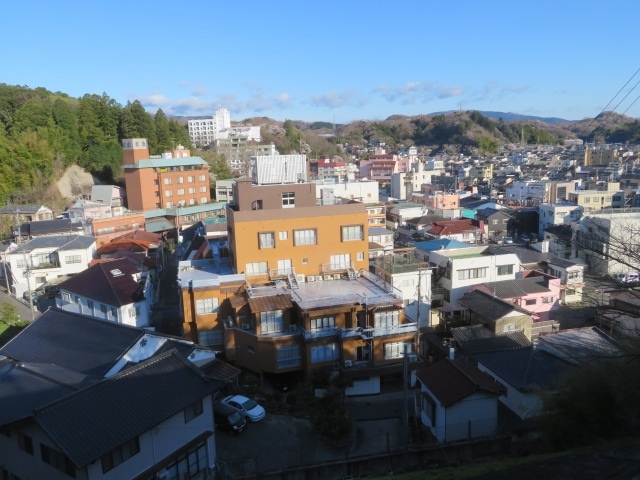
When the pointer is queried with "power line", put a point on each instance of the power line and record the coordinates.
(612, 99)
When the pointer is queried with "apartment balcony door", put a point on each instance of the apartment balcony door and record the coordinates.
(340, 262)
(284, 267)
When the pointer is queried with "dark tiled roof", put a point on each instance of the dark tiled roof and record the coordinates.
(519, 287)
(94, 421)
(22, 390)
(478, 338)
(451, 381)
(525, 369)
(44, 227)
(220, 370)
(82, 344)
(490, 307)
(110, 282)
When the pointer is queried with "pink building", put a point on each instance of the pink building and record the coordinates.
(444, 201)
(536, 292)
(381, 167)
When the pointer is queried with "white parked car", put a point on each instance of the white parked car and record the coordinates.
(246, 406)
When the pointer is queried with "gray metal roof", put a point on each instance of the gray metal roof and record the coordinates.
(519, 287)
(526, 255)
(59, 242)
(21, 209)
(580, 345)
(478, 338)
(169, 162)
(490, 307)
(87, 424)
(82, 344)
(525, 369)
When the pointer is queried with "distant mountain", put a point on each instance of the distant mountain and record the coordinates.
(516, 117)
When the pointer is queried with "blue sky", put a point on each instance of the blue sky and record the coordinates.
(333, 60)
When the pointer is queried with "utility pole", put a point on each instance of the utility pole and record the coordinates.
(405, 411)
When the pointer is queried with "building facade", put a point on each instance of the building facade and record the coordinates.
(172, 180)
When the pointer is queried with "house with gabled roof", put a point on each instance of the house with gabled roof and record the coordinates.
(44, 259)
(495, 313)
(26, 213)
(536, 292)
(89, 399)
(113, 290)
(464, 230)
(526, 374)
(458, 401)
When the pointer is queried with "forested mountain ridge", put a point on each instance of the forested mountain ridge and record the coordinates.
(42, 133)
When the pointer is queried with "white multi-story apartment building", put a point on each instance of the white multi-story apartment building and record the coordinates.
(460, 269)
(202, 131)
(558, 213)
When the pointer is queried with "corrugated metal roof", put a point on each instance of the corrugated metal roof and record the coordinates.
(518, 287)
(270, 303)
(59, 242)
(477, 338)
(491, 308)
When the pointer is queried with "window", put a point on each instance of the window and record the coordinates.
(66, 297)
(256, 268)
(472, 273)
(191, 179)
(323, 322)
(189, 464)
(114, 312)
(57, 460)
(203, 189)
(103, 308)
(505, 221)
(386, 319)
(267, 240)
(25, 443)
(192, 190)
(73, 259)
(202, 178)
(120, 454)
(90, 304)
(271, 321)
(210, 337)
(288, 200)
(168, 193)
(547, 299)
(305, 237)
(396, 349)
(167, 181)
(352, 232)
(325, 353)
(192, 411)
(289, 356)
(205, 306)
(284, 235)
(531, 301)
(505, 269)
(134, 312)
(204, 200)
(181, 191)
(495, 222)
(20, 263)
(510, 327)
(360, 256)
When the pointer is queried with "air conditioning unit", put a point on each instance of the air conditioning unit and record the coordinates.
(300, 277)
(318, 278)
(246, 326)
(311, 278)
(336, 276)
(348, 364)
(328, 277)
